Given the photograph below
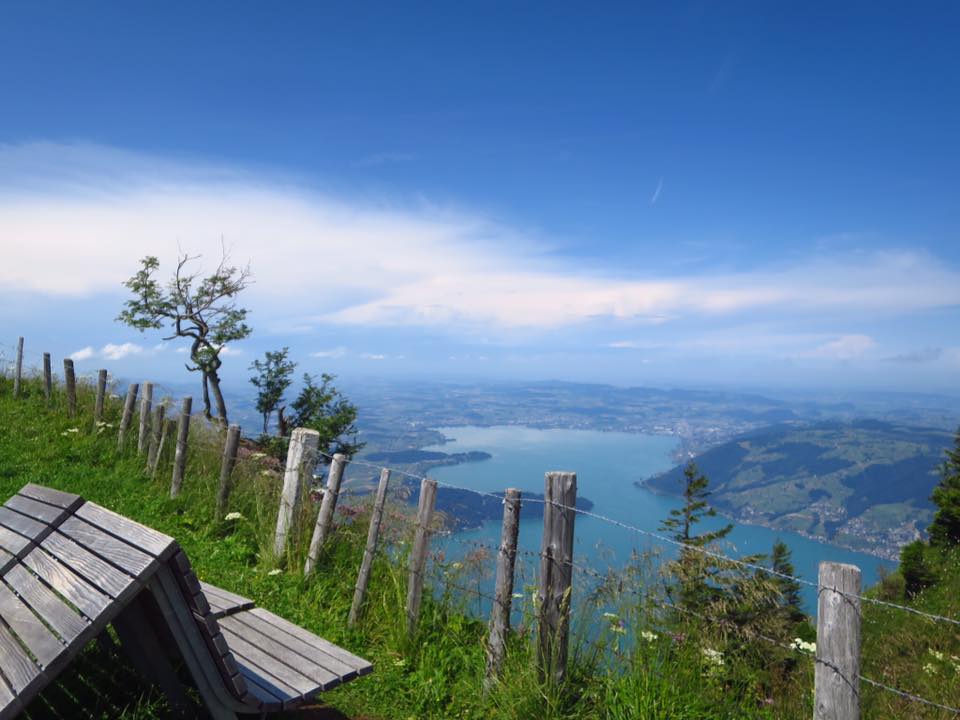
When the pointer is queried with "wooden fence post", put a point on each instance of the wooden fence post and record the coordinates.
(156, 439)
(556, 572)
(47, 378)
(837, 668)
(18, 372)
(370, 551)
(168, 427)
(301, 458)
(418, 553)
(101, 396)
(230, 448)
(146, 403)
(327, 507)
(70, 378)
(180, 456)
(503, 595)
(128, 404)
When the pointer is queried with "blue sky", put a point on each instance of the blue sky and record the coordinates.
(708, 193)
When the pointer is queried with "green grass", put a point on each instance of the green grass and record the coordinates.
(614, 673)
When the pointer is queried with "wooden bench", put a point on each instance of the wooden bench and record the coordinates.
(68, 568)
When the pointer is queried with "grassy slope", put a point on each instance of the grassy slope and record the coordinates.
(437, 676)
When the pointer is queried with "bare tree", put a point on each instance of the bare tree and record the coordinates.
(203, 309)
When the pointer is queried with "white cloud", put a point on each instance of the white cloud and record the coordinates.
(624, 344)
(67, 208)
(117, 352)
(372, 356)
(337, 352)
(82, 354)
(845, 347)
(230, 350)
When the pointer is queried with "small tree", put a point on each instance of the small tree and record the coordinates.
(915, 568)
(274, 375)
(204, 310)
(324, 409)
(945, 528)
(790, 605)
(695, 570)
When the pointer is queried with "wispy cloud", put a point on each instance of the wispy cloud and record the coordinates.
(337, 352)
(917, 357)
(845, 347)
(82, 354)
(113, 351)
(624, 344)
(372, 356)
(656, 193)
(101, 210)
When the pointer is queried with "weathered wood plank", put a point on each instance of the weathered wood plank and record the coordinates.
(9, 704)
(58, 615)
(12, 542)
(66, 500)
(95, 569)
(267, 700)
(119, 552)
(323, 677)
(39, 640)
(147, 539)
(837, 676)
(225, 599)
(86, 598)
(244, 623)
(27, 527)
(35, 509)
(362, 666)
(292, 683)
(17, 666)
(6, 560)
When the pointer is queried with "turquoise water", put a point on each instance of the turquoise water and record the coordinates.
(606, 464)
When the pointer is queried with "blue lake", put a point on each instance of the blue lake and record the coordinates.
(607, 464)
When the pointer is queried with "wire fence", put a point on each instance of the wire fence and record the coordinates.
(214, 443)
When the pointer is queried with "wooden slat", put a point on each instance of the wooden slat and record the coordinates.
(281, 652)
(17, 666)
(223, 602)
(267, 700)
(119, 552)
(295, 683)
(65, 500)
(48, 514)
(263, 633)
(30, 529)
(96, 570)
(6, 560)
(150, 541)
(11, 542)
(39, 640)
(57, 614)
(362, 666)
(81, 594)
(9, 704)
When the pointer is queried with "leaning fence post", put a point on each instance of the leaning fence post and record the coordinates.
(146, 402)
(418, 553)
(18, 373)
(164, 433)
(71, 381)
(128, 404)
(47, 378)
(556, 572)
(156, 439)
(370, 552)
(837, 667)
(327, 507)
(301, 458)
(503, 595)
(101, 395)
(180, 456)
(230, 448)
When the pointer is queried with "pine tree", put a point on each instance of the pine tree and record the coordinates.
(945, 528)
(274, 375)
(698, 574)
(916, 570)
(789, 604)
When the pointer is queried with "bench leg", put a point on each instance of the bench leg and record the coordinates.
(142, 646)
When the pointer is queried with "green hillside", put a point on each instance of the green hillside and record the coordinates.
(865, 484)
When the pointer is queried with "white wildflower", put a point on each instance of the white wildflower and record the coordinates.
(233, 516)
(937, 655)
(457, 565)
(611, 616)
(714, 657)
(73, 430)
(803, 646)
(519, 596)
(930, 669)
(648, 636)
(275, 571)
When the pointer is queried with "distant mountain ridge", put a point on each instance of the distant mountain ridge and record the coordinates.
(863, 484)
